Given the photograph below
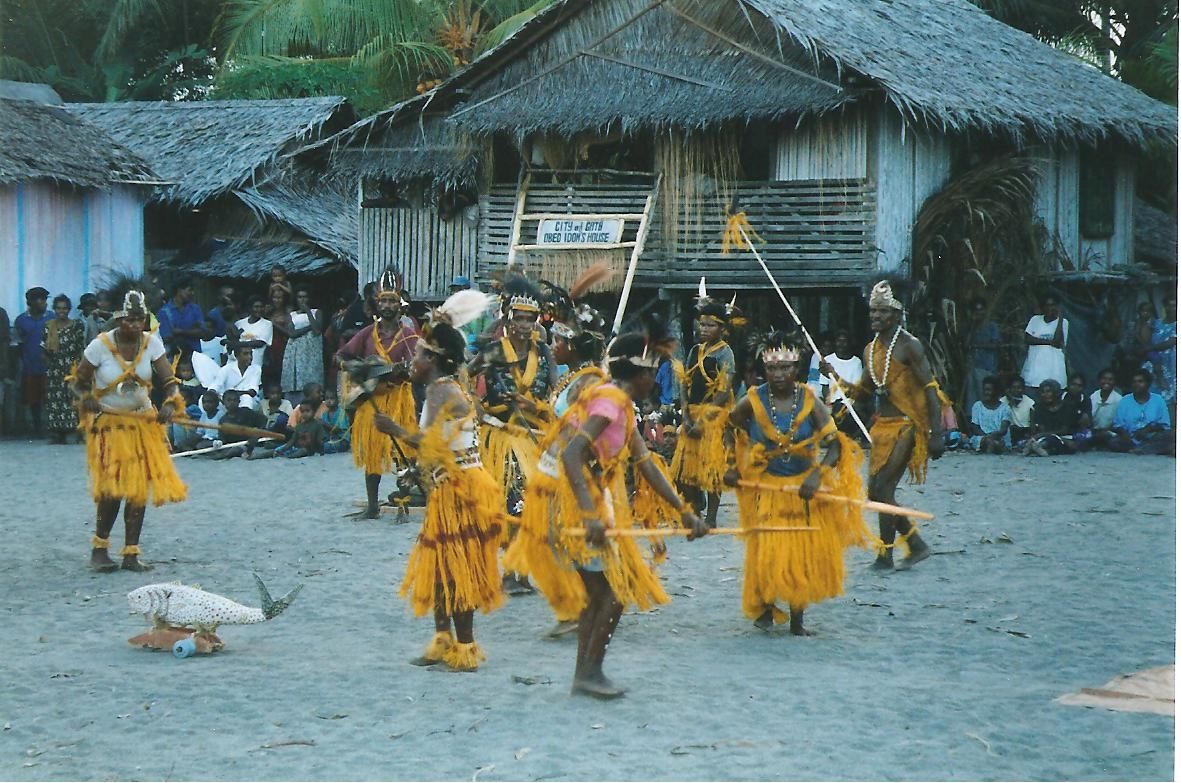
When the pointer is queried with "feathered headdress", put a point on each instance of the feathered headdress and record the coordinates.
(571, 318)
(441, 334)
(711, 310)
(389, 286)
(128, 290)
(643, 349)
(889, 291)
(778, 346)
(517, 293)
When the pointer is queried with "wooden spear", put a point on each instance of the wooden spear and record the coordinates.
(868, 505)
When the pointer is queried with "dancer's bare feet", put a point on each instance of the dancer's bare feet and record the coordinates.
(131, 563)
(797, 624)
(919, 551)
(372, 511)
(765, 621)
(883, 563)
(597, 685)
(101, 562)
(563, 628)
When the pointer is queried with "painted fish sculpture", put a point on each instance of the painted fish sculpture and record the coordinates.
(178, 611)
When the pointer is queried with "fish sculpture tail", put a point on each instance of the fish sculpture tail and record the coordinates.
(270, 607)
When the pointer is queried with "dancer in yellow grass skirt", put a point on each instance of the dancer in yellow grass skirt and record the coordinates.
(578, 343)
(908, 427)
(452, 570)
(377, 359)
(789, 446)
(519, 373)
(583, 473)
(702, 456)
(127, 450)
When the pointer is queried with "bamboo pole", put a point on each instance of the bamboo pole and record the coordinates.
(868, 505)
(672, 531)
(233, 429)
(207, 449)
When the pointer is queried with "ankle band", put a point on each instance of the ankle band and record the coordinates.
(99, 543)
(129, 550)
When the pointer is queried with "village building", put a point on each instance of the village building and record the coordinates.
(233, 205)
(630, 129)
(71, 199)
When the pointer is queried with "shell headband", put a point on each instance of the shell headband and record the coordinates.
(882, 295)
(133, 305)
(774, 354)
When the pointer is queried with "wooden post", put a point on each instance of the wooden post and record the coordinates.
(641, 239)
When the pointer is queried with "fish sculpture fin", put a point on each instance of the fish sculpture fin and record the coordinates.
(270, 607)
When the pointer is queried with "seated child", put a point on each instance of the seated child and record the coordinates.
(336, 424)
(276, 409)
(1076, 399)
(312, 391)
(243, 417)
(307, 438)
(189, 438)
(989, 428)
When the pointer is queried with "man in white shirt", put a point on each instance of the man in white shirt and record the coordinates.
(242, 375)
(1104, 401)
(846, 365)
(255, 331)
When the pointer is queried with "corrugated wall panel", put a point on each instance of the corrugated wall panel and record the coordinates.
(429, 251)
(827, 148)
(13, 288)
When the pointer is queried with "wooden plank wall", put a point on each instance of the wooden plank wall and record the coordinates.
(907, 166)
(818, 233)
(831, 147)
(66, 240)
(1057, 203)
(429, 251)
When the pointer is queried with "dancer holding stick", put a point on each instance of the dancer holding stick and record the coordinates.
(784, 432)
(127, 456)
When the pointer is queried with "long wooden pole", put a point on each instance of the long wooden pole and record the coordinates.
(672, 531)
(207, 449)
(868, 505)
(233, 429)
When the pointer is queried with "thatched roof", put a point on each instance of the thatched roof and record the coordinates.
(208, 148)
(40, 141)
(323, 210)
(950, 63)
(623, 64)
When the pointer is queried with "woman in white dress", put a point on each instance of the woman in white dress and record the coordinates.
(303, 363)
(1046, 335)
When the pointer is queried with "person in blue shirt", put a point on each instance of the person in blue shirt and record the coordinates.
(1141, 423)
(29, 326)
(182, 324)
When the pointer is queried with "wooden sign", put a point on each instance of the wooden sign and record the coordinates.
(578, 231)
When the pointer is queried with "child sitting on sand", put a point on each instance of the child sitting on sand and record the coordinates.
(276, 409)
(315, 393)
(989, 428)
(243, 417)
(1054, 423)
(307, 438)
(1020, 410)
(336, 425)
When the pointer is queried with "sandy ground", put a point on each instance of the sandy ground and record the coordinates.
(1053, 574)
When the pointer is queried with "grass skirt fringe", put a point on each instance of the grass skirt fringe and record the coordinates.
(499, 448)
(534, 551)
(457, 547)
(800, 568)
(650, 509)
(885, 433)
(702, 462)
(129, 458)
(373, 451)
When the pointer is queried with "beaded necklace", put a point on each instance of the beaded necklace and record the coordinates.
(881, 384)
(795, 408)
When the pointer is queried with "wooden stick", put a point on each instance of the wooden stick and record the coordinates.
(233, 429)
(207, 449)
(868, 505)
(672, 531)
(492, 421)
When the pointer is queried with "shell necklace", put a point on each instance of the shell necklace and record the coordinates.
(795, 408)
(881, 384)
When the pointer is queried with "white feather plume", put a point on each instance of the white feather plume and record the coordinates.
(701, 294)
(463, 307)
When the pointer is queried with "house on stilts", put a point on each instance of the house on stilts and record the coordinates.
(630, 128)
(71, 199)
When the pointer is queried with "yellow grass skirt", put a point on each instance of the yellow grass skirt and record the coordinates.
(800, 568)
(501, 447)
(457, 546)
(549, 558)
(886, 432)
(128, 457)
(373, 450)
(702, 462)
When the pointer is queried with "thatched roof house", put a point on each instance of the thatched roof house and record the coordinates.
(829, 121)
(234, 205)
(71, 198)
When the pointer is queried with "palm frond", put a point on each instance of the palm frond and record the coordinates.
(122, 16)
